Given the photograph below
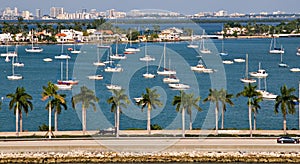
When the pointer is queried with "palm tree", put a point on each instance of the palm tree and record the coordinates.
(286, 102)
(255, 106)
(225, 98)
(86, 97)
(19, 100)
(57, 104)
(150, 99)
(50, 91)
(185, 102)
(251, 93)
(214, 97)
(117, 101)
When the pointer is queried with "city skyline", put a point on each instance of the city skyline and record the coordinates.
(190, 7)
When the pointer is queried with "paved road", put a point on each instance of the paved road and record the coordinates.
(150, 145)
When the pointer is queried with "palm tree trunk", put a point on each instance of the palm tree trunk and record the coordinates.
(250, 119)
(284, 124)
(191, 124)
(222, 126)
(149, 120)
(55, 121)
(183, 122)
(254, 121)
(118, 119)
(217, 114)
(83, 120)
(17, 120)
(21, 122)
(49, 130)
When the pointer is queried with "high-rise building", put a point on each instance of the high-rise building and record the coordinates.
(55, 11)
(38, 13)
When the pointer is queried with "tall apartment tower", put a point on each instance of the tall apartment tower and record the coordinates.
(38, 13)
(55, 11)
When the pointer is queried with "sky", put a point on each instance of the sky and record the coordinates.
(180, 6)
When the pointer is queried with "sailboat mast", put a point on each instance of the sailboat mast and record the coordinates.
(61, 70)
(13, 67)
(246, 73)
(67, 68)
(165, 56)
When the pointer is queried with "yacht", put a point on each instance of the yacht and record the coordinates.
(239, 60)
(171, 79)
(179, 86)
(200, 67)
(147, 58)
(95, 77)
(227, 62)
(295, 69)
(261, 73)
(113, 87)
(63, 86)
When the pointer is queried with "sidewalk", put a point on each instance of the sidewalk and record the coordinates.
(155, 133)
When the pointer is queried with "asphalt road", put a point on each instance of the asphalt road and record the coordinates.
(151, 144)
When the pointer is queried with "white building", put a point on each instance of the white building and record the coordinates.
(71, 35)
(170, 34)
(5, 37)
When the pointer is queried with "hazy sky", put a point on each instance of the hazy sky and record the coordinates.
(181, 6)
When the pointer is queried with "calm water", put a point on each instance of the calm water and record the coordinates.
(37, 73)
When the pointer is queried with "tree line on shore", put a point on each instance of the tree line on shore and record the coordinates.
(21, 102)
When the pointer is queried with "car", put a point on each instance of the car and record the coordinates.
(286, 139)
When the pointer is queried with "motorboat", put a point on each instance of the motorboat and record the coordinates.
(261, 73)
(227, 62)
(113, 87)
(171, 79)
(18, 64)
(47, 60)
(148, 75)
(62, 56)
(267, 95)
(147, 58)
(239, 60)
(200, 67)
(179, 86)
(63, 86)
(95, 77)
(118, 57)
(295, 69)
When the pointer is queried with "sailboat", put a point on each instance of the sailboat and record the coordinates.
(98, 62)
(117, 56)
(223, 53)
(260, 73)
(131, 49)
(192, 45)
(60, 85)
(74, 50)
(62, 54)
(246, 79)
(264, 93)
(274, 49)
(203, 49)
(147, 74)
(17, 63)
(33, 49)
(111, 67)
(165, 71)
(14, 76)
(101, 45)
(281, 64)
(9, 53)
(147, 57)
(67, 81)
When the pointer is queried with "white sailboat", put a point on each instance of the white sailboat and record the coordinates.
(62, 54)
(246, 79)
(75, 50)
(113, 87)
(33, 49)
(192, 45)
(8, 53)
(147, 57)
(264, 93)
(98, 62)
(117, 56)
(260, 73)
(101, 45)
(95, 77)
(131, 49)
(165, 71)
(281, 64)
(274, 49)
(111, 67)
(223, 53)
(203, 49)
(14, 76)
(17, 63)
(179, 86)
(147, 75)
